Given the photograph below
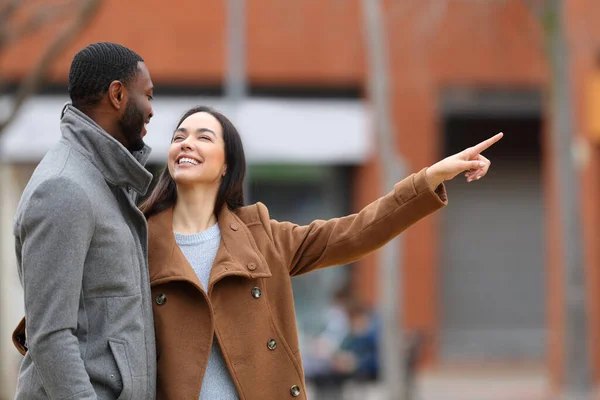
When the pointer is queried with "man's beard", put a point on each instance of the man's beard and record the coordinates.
(132, 124)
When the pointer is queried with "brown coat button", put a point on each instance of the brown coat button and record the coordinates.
(234, 227)
(295, 391)
(251, 266)
(272, 344)
(161, 299)
(256, 292)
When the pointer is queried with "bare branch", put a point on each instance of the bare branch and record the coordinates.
(536, 31)
(37, 75)
(536, 7)
(42, 17)
(6, 10)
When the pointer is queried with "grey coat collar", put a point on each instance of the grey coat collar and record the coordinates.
(113, 160)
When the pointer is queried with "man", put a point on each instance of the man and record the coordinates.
(81, 241)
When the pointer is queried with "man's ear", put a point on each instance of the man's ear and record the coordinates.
(117, 95)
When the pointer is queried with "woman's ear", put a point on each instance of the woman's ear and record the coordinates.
(224, 172)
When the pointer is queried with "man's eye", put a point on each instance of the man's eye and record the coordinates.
(150, 98)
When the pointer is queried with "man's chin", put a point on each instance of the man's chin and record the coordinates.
(137, 145)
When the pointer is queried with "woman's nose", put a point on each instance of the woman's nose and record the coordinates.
(185, 146)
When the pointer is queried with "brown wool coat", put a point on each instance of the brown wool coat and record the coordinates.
(249, 300)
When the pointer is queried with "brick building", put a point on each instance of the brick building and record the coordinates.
(482, 279)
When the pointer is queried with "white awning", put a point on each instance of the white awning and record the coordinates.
(273, 130)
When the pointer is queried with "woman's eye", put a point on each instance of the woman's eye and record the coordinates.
(205, 137)
(176, 138)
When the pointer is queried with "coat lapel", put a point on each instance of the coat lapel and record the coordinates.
(238, 254)
(165, 260)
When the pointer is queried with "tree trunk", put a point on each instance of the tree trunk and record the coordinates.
(576, 361)
(390, 347)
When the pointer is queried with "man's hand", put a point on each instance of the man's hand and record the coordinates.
(469, 160)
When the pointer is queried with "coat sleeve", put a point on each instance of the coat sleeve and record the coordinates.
(344, 240)
(54, 234)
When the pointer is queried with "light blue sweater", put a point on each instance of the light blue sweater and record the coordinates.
(200, 249)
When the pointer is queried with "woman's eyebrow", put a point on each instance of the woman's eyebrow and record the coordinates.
(199, 130)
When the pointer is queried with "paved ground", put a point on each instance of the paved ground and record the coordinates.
(461, 384)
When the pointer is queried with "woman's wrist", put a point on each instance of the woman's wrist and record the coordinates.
(434, 180)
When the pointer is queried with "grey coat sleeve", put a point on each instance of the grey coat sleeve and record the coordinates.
(56, 229)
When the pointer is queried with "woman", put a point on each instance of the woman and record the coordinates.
(220, 272)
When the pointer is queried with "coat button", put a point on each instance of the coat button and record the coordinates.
(256, 292)
(295, 390)
(161, 299)
(251, 266)
(234, 227)
(272, 344)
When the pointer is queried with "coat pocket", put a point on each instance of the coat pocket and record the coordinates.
(19, 337)
(119, 352)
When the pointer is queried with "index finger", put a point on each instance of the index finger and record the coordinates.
(487, 143)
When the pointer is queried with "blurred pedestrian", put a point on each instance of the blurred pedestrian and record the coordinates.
(316, 359)
(357, 355)
(220, 271)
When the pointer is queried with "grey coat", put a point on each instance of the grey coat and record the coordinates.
(81, 245)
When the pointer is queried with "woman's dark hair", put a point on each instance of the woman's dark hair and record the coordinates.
(231, 190)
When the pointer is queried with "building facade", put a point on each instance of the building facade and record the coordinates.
(482, 279)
